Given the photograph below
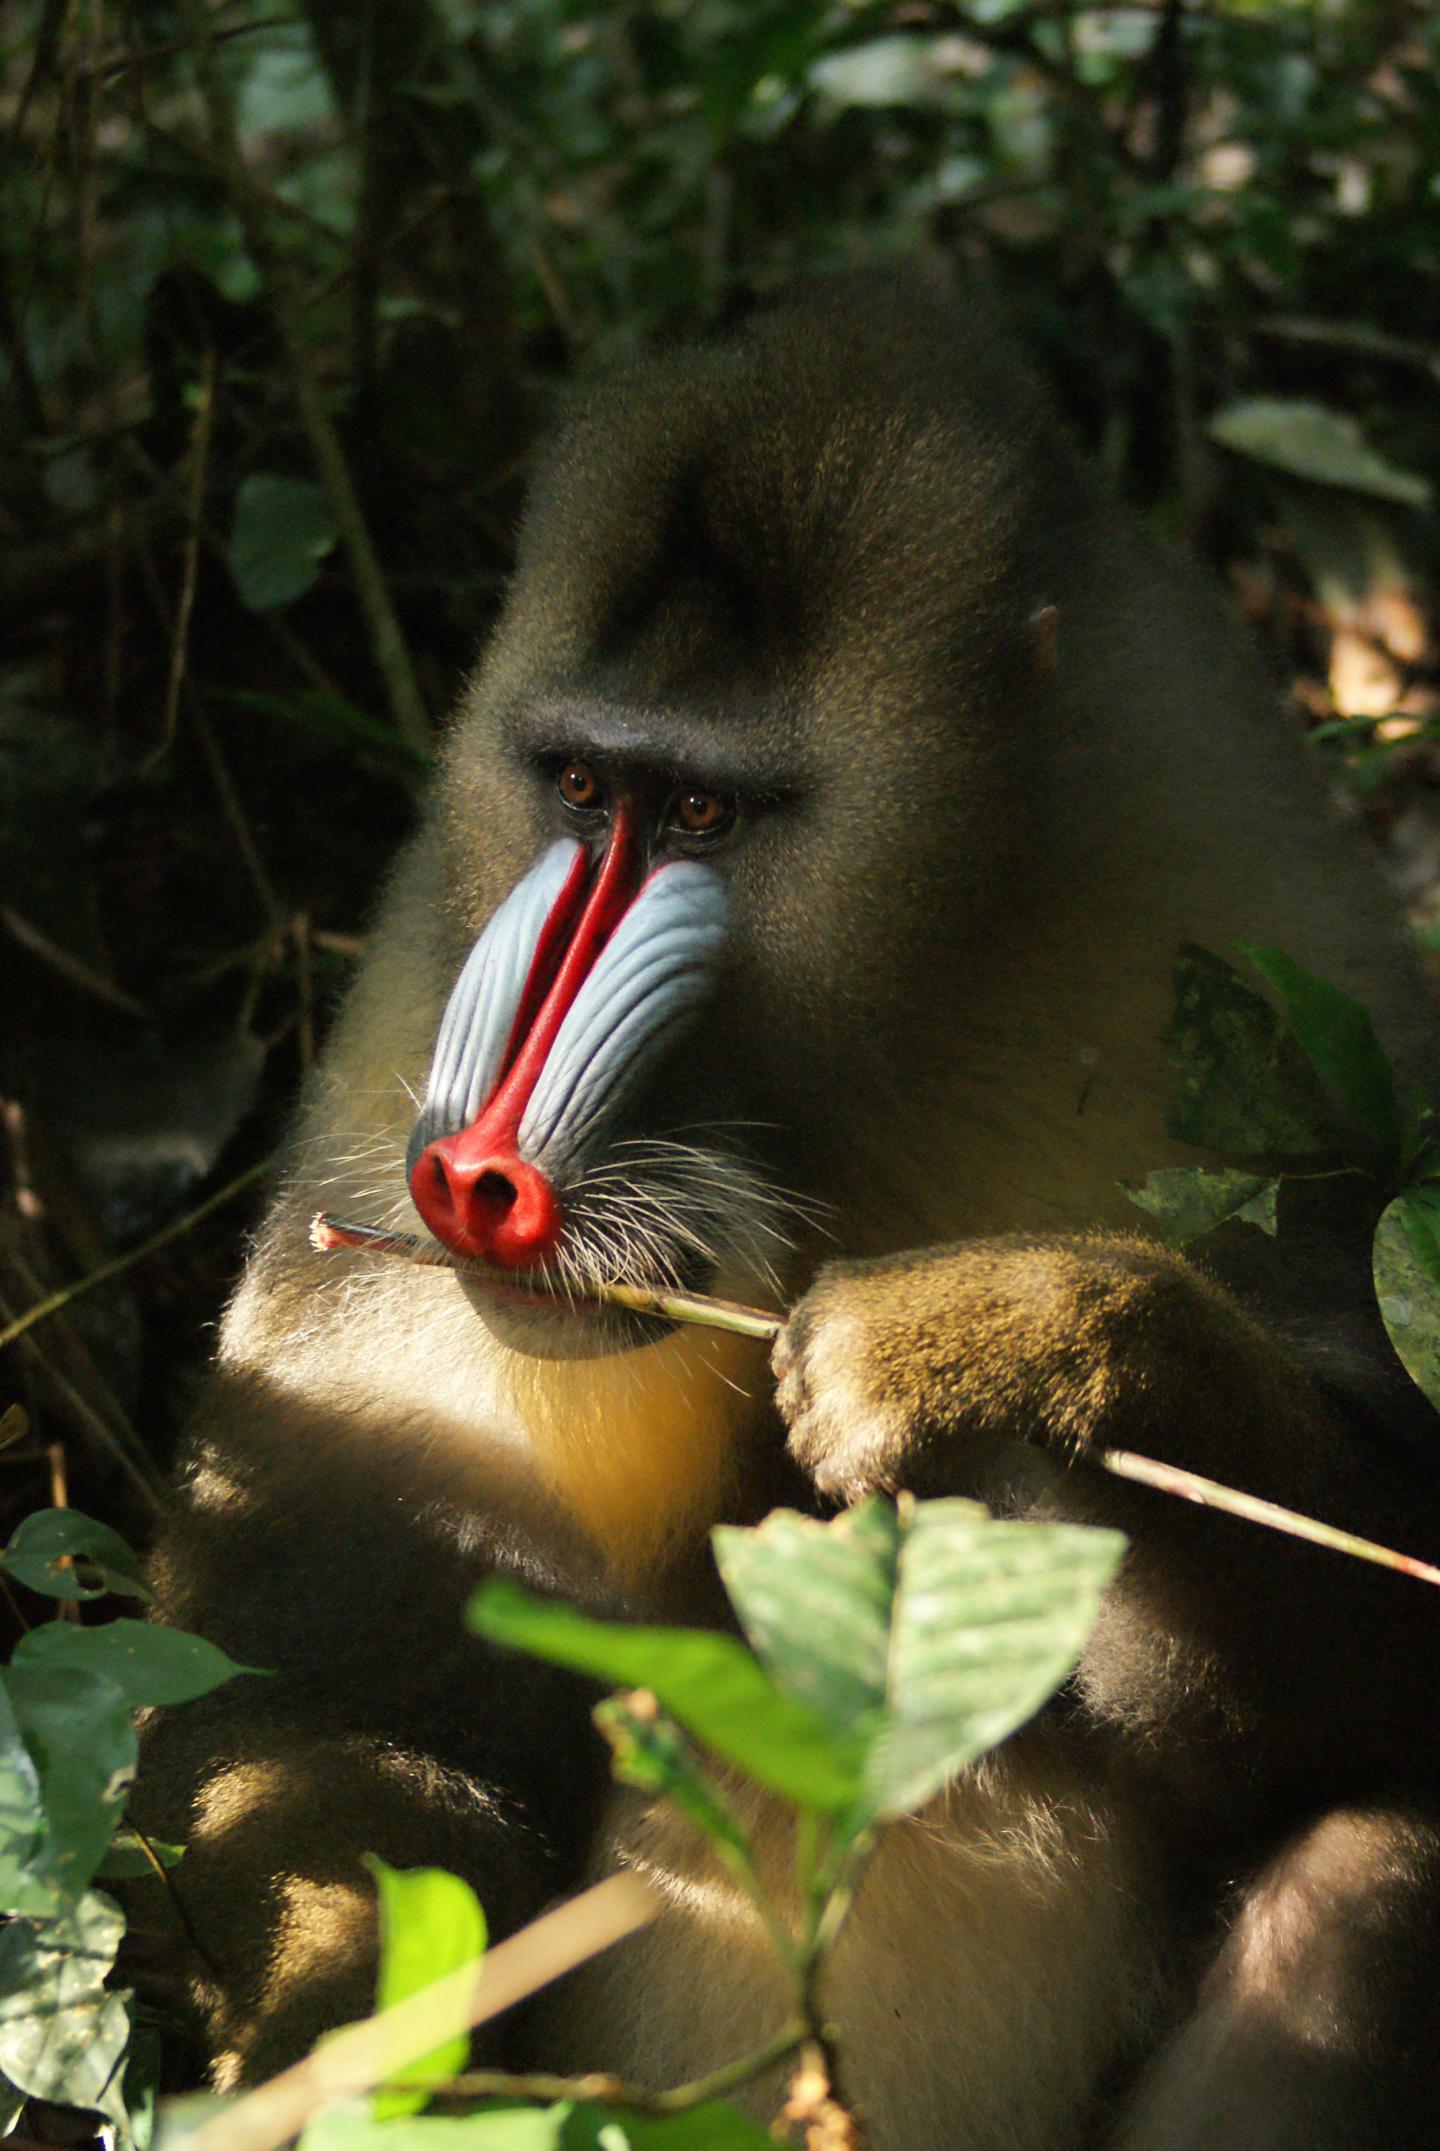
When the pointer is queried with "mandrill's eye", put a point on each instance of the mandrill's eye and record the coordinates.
(579, 786)
(701, 814)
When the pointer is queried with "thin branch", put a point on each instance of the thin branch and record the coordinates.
(68, 966)
(174, 1231)
(1353, 336)
(616, 2090)
(387, 643)
(329, 1235)
(235, 815)
(1210, 1494)
(190, 571)
(353, 2061)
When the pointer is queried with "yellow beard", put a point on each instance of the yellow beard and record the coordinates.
(640, 1447)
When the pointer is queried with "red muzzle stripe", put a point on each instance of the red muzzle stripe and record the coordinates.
(565, 954)
(473, 1189)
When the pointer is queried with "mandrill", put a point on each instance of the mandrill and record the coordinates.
(794, 919)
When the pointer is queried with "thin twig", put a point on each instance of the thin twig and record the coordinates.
(117, 1441)
(68, 966)
(177, 1902)
(190, 570)
(121, 1263)
(1210, 1494)
(353, 2061)
(329, 1234)
(387, 642)
(14, 1425)
(235, 816)
(617, 2090)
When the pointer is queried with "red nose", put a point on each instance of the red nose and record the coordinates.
(487, 1202)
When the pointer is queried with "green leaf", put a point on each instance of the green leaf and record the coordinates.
(817, 1601)
(62, 2035)
(283, 529)
(648, 1750)
(1406, 1263)
(1245, 1087)
(43, 1541)
(712, 2127)
(22, 1824)
(931, 1630)
(1338, 1039)
(1188, 1200)
(78, 1728)
(430, 1924)
(147, 1663)
(1308, 441)
(709, 1682)
(490, 2128)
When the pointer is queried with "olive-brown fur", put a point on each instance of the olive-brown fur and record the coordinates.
(997, 756)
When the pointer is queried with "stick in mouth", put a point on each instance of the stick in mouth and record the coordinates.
(328, 1234)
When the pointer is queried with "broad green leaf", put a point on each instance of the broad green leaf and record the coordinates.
(1245, 1087)
(648, 1750)
(22, 1824)
(817, 1601)
(1188, 1200)
(62, 2035)
(283, 529)
(1338, 1039)
(430, 1924)
(935, 1633)
(1309, 441)
(490, 2128)
(42, 1542)
(147, 1663)
(78, 1728)
(712, 2127)
(710, 1682)
(1407, 1284)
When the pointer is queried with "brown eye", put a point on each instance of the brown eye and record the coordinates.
(578, 785)
(701, 813)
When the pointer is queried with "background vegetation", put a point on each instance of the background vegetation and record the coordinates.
(285, 291)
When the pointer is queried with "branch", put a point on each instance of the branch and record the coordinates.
(352, 2062)
(387, 643)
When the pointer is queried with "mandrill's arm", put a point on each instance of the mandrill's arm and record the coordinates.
(381, 1728)
(991, 1368)
(1249, 1681)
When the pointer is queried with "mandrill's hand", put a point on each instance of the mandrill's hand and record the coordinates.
(925, 1370)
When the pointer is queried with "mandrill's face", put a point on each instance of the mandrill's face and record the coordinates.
(727, 817)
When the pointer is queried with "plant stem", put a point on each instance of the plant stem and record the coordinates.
(387, 642)
(1210, 1494)
(329, 1234)
(615, 2090)
(127, 1261)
